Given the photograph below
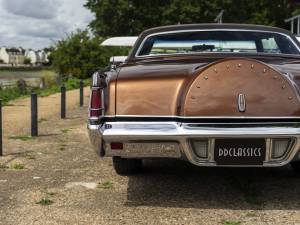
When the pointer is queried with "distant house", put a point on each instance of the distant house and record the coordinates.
(32, 55)
(17, 56)
(36, 57)
(42, 56)
(12, 56)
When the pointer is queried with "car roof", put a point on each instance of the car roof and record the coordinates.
(203, 26)
(212, 26)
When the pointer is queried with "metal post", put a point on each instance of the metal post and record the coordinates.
(81, 93)
(1, 145)
(34, 115)
(63, 102)
(292, 26)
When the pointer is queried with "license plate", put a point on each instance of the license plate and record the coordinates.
(251, 151)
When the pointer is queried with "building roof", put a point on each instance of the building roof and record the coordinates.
(13, 50)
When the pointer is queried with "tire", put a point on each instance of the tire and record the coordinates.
(296, 167)
(127, 166)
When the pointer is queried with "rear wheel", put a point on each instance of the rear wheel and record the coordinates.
(127, 166)
(296, 166)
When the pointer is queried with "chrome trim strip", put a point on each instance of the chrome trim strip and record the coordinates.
(197, 30)
(157, 132)
(268, 147)
(208, 117)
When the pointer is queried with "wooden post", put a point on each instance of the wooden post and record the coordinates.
(34, 115)
(63, 102)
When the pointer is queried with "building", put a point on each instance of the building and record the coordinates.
(32, 55)
(13, 56)
(37, 57)
(16, 56)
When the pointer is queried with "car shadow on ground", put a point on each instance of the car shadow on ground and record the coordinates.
(172, 183)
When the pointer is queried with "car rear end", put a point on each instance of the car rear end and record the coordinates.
(217, 111)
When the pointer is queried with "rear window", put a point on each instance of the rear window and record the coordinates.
(218, 41)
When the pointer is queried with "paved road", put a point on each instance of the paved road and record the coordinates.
(64, 182)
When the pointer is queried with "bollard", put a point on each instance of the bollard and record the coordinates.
(34, 115)
(81, 93)
(63, 102)
(1, 145)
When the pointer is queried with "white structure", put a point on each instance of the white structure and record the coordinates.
(128, 41)
(42, 56)
(12, 56)
(37, 57)
(32, 55)
(47, 54)
(294, 20)
(16, 56)
(219, 18)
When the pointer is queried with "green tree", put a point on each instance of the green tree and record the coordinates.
(130, 17)
(80, 55)
(27, 61)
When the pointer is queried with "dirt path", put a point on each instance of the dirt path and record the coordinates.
(64, 182)
(16, 116)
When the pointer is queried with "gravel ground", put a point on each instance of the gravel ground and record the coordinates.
(64, 182)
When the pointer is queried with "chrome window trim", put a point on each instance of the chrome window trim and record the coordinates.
(197, 30)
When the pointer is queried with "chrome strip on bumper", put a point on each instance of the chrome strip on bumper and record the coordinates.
(179, 134)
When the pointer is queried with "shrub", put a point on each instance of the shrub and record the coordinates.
(80, 55)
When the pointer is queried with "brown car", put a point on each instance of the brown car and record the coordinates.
(211, 94)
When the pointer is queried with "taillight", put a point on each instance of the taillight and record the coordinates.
(96, 104)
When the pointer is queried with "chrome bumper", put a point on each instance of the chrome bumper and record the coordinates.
(171, 140)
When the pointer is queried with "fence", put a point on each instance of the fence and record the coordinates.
(34, 112)
(28, 82)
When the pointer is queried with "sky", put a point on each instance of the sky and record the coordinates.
(39, 23)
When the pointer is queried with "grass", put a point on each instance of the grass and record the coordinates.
(3, 166)
(71, 84)
(28, 156)
(9, 94)
(231, 223)
(51, 193)
(17, 166)
(42, 120)
(251, 214)
(106, 185)
(22, 138)
(65, 130)
(62, 147)
(45, 201)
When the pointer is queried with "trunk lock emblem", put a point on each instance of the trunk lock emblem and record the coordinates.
(241, 102)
